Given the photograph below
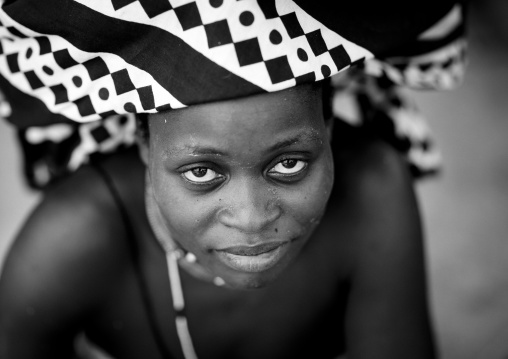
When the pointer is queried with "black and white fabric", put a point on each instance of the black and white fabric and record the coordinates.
(91, 65)
(53, 151)
(198, 42)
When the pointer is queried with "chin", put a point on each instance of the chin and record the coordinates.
(244, 281)
(255, 280)
(256, 271)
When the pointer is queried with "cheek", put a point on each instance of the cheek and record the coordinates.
(184, 214)
(309, 203)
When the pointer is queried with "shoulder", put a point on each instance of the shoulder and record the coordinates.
(76, 226)
(372, 203)
(364, 159)
(66, 258)
(374, 192)
(373, 184)
(387, 310)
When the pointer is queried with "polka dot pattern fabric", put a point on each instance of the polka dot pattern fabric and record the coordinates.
(125, 56)
(270, 45)
(79, 85)
(119, 58)
(258, 41)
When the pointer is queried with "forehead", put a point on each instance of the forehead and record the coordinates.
(256, 119)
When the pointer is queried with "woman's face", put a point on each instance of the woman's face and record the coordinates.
(242, 183)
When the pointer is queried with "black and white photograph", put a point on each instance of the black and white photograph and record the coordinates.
(253, 179)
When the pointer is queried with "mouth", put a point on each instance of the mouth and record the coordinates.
(253, 259)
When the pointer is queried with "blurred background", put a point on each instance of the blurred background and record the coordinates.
(465, 209)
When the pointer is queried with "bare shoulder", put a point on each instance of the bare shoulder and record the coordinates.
(367, 159)
(371, 177)
(64, 261)
(373, 186)
(387, 312)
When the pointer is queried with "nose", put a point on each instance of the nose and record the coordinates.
(249, 206)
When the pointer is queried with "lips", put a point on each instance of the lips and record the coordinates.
(252, 251)
(253, 259)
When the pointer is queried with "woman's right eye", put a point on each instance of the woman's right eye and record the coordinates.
(201, 175)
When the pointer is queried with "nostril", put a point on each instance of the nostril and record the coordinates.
(249, 219)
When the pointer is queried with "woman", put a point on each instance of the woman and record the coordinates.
(152, 255)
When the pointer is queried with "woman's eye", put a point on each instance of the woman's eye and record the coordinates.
(288, 167)
(201, 175)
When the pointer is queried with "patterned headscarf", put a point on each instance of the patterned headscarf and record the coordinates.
(88, 66)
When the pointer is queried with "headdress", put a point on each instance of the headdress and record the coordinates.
(100, 61)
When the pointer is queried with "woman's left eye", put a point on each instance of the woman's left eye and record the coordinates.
(288, 167)
(201, 175)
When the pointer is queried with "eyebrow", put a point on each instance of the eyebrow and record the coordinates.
(197, 150)
(301, 137)
(210, 151)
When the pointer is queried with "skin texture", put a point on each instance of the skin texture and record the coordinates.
(354, 282)
(246, 196)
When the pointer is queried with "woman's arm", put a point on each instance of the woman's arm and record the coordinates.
(58, 270)
(387, 312)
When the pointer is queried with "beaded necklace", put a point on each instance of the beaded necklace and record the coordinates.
(176, 256)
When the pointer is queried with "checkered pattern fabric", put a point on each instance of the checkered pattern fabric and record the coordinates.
(166, 54)
(82, 86)
(132, 56)
(272, 44)
(425, 66)
(56, 150)
(377, 105)
(443, 69)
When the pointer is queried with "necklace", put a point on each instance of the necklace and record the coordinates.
(175, 256)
